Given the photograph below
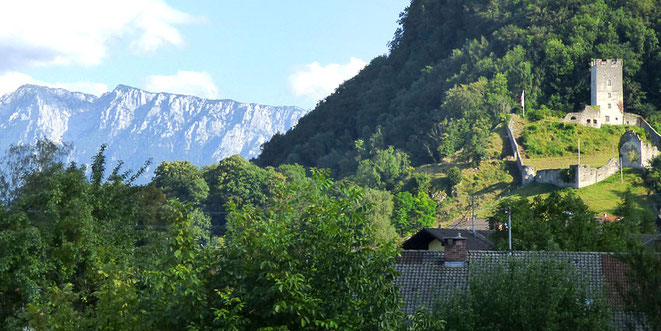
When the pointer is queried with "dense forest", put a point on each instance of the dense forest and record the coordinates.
(299, 251)
(455, 67)
(307, 236)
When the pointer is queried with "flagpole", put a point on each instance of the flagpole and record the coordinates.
(523, 102)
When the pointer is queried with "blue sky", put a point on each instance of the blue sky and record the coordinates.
(286, 52)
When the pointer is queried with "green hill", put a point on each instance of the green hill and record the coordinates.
(456, 67)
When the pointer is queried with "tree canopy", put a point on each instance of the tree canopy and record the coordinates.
(455, 67)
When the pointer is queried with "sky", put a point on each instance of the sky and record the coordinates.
(285, 52)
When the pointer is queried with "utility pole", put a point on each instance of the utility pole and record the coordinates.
(509, 229)
(473, 207)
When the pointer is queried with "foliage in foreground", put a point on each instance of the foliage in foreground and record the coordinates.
(98, 253)
(515, 294)
(645, 296)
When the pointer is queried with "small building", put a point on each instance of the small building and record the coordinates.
(433, 239)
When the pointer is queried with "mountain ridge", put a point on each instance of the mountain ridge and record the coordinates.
(138, 125)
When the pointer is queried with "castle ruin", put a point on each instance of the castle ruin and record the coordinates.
(606, 96)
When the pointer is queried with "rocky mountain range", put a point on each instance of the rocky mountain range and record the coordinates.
(138, 125)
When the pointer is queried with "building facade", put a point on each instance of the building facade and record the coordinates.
(606, 96)
(606, 89)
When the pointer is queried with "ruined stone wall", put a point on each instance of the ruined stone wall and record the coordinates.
(588, 117)
(527, 173)
(635, 152)
(557, 177)
(632, 119)
(586, 175)
(652, 135)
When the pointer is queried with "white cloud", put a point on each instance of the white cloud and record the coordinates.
(85, 87)
(11, 80)
(37, 32)
(199, 84)
(316, 81)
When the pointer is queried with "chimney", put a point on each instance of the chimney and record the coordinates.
(455, 251)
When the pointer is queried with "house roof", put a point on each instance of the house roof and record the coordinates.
(478, 241)
(425, 281)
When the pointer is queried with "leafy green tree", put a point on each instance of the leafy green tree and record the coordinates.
(181, 180)
(20, 161)
(413, 212)
(418, 181)
(311, 261)
(645, 272)
(633, 217)
(561, 221)
(382, 205)
(235, 180)
(58, 232)
(500, 298)
(386, 169)
(653, 175)
(454, 177)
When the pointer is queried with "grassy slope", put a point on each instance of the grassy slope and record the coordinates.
(551, 144)
(489, 182)
(493, 180)
(603, 196)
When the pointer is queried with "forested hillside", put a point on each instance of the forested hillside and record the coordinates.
(282, 245)
(455, 68)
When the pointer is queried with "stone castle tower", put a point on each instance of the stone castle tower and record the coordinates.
(606, 97)
(606, 90)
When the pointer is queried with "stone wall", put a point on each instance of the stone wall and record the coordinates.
(590, 116)
(632, 119)
(527, 173)
(586, 175)
(652, 135)
(557, 177)
(634, 152)
(577, 176)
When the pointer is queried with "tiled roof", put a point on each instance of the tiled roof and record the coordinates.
(479, 241)
(425, 280)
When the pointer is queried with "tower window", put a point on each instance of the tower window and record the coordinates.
(608, 119)
(609, 94)
(588, 121)
(610, 82)
(610, 106)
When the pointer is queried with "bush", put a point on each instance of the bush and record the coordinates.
(454, 177)
(500, 297)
